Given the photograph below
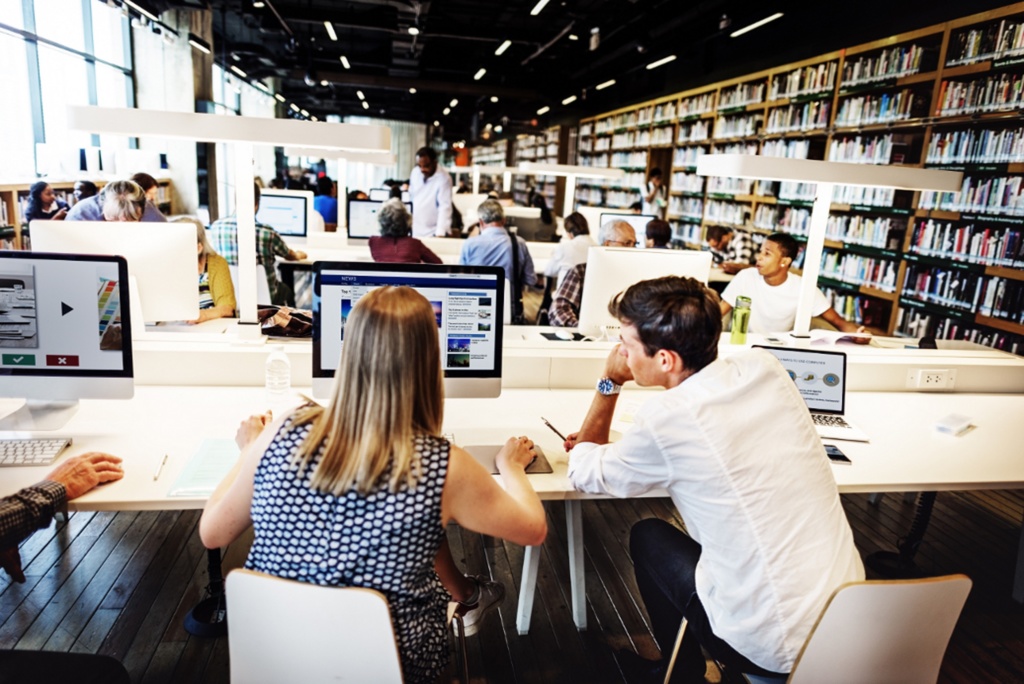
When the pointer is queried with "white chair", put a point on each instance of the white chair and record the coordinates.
(883, 632)
(282, 631)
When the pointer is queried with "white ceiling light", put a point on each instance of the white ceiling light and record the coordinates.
(494, 99)
(414, 30)
(660, 62)
(479, 74)
(262, 86)
(573, 36)
(538, 8)
(279, 96)
(453, 103)
(323, 83)
(436, 124)
(313, 118)
(543, 110)
(344, 62)
(366, 105)
(497, 129)
(295, 107)
(607, 84)
(412, 91)
(305, 113)
(501, 48)
(330, 30)
(569, 100)
(359, 94)
(258, 4)
(756, 24)
(447, 111)
(238, 71)
(199, 44)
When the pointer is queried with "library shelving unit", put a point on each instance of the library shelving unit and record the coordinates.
(14, 202)
(496, 154)
(949, 96)
(542, 148)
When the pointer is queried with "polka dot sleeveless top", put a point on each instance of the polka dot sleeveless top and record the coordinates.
(384, 541)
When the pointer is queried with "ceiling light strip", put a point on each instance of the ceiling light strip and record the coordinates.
(538, 8)
(661, 62)
(330, 31)
(756, 24)
(501, 48)
(607, 84)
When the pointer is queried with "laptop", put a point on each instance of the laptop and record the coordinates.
(821, 378)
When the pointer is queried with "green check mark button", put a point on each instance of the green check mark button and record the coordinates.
(18, 359)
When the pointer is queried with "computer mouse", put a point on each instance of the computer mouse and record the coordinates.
(564, 335)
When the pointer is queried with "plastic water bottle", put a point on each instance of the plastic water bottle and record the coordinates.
(740, 320)
(278, 374)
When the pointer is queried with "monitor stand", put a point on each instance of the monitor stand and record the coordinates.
(39, 414)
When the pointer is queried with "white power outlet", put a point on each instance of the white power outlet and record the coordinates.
(931, 378)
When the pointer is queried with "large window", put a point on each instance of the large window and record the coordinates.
(17, 161)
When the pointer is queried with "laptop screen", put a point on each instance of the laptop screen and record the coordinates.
(819, 375)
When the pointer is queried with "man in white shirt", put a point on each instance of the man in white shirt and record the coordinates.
(767, 541)
(431, 189)
(774, 291)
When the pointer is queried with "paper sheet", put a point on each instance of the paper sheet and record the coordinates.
(207, 468)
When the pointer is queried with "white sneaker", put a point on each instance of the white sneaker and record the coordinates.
(491, 596)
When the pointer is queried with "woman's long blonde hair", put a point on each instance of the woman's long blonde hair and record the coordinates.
(388, 388)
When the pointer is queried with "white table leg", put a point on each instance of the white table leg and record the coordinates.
(1018, 573)
(524, 611)
(574, 526)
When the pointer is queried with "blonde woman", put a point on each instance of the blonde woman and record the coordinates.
(216, 291)
(123, 200)
(358, 493)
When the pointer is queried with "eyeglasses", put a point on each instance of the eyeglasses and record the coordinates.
(623, 243)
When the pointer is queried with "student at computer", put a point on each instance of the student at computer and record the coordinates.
(731, 250)
(123, 201)
(565, 308)
(91, 208)
(493, 247)
(269, 245)
(572, 252)
(395, 243)
(767, 541)
(325, 202)
(216, 291)
(657, 234)
(150, 186)
(43, 204)
(358, 493)
(774, 291)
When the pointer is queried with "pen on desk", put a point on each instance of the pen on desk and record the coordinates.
(160, 469)
(553, 428)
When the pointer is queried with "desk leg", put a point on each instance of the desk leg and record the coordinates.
(574, 526)
(524, 611)
(1018, 573)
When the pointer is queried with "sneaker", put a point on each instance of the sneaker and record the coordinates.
(490, 596)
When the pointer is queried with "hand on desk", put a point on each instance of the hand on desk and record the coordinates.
(83, 473)
(518, 452)
(250, 428)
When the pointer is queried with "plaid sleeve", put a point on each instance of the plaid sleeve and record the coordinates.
(29, 510)
(565, 307)
(271, 244)
(742, 247)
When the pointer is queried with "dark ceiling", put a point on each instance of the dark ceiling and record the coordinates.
(549, 59)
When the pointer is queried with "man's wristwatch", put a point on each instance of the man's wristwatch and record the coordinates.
(608, 387)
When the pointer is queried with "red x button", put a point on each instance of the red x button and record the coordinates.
(61, 360)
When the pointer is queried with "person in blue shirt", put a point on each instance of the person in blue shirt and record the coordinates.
(493, 247)
(326, 201)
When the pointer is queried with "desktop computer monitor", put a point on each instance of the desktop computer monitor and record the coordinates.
(362, 218)
(384, 194)
(161, 260)
(467, 300)
(610, 270)
(64, 334)
(289, 212)
(638, 221)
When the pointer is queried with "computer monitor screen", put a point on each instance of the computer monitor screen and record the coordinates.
(611, 270)
(467, 300)
(161, 258)
(286, 211)
(384, 194)
(362, 218)
(64, 328)
(638, 221)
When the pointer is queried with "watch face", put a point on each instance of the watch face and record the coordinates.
(606, 386)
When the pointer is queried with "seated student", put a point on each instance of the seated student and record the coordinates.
(150, 186)
(493, 247)
(767, 541)
(42, 204)
(571, 252)
(84, 190)
(91, 208)
(123, 201)
(325, 202)
(395, 243)
(731, 250)
(370, 483)
(658, 234)
(774, 291)
(357, 195)
(565, 308)
(269, 245)
(216, 291)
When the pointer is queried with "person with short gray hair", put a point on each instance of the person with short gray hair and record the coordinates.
(493, 247)
(91, 208)
(395, 245)
(123, 201)
(565, 307)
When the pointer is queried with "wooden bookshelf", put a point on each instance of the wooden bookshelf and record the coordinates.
(544, 148)
(944, 96)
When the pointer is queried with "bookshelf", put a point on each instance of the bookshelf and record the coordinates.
(490, 155)
(542, 148)
(949, 96)
(14, 202)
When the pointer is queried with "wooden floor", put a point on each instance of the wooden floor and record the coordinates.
(120, 584)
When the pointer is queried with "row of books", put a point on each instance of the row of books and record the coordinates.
(797, 192)
(792, 220)
(686, 157)
(695, 131)
(738, 126)
(917, 323)
(990, 93)
(858, 308)
(635, 160)
(5, 220)
(657, 136)
(1003, 195)
(900, 60)
(797, 148)
(631, 179)
(976, 146)
(611, 123)
(798, 117)
(866, 149)
(697, 104)
(687, 182)
(735, 148)
(689, 233)
(868, 231)
(686, 207)
(857, 269)
(862, 196)
(619, 199)
(994, 41)
(726, 213)
(804, 81)
(973, 243)
(741, 94)
(867, 109)
(955, 288)
(720, 185)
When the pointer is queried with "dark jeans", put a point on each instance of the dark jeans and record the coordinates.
(665, 560)
(46, 667)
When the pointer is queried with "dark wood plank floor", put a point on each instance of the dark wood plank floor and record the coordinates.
(120, 584)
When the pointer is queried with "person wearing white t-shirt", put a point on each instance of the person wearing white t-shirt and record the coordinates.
(774, 291)
(431, 190)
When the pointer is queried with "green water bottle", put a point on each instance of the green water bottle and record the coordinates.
(740, 320)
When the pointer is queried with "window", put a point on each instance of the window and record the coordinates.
(16, 138)
(108, 26)
(61, 22)
(64, 82)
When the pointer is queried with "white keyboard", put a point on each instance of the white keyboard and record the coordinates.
(31, 452)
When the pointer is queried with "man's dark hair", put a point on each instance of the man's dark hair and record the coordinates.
(428, 152)
(655, 173)
(144, 181)
(256, 193)
(576, 224)
(324, 185)
(673, 313)
(787, 245)
(659, 231)
(716, 233)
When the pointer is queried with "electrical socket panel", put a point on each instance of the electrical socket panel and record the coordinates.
(931, 379)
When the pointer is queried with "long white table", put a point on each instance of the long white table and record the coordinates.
(906, 453)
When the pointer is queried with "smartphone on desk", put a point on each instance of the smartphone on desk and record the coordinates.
(836, 456)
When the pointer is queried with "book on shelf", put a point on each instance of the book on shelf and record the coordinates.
(798, 148)
(857, 269)
(992, 41)
(894, 62)
(983, 244)
(988, 93)
(798, 117)
(858, 308)
(912, 322)
(804, 81)
(976, 146)
(1001, 195)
